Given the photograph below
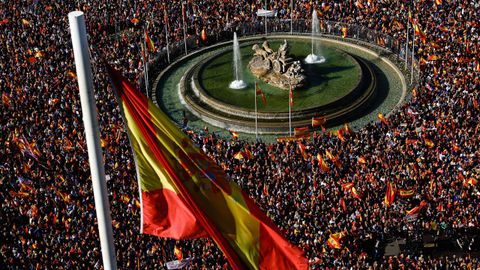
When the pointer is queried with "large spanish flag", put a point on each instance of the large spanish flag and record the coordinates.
(185, 195)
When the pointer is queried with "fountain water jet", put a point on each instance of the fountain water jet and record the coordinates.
(238, 83)
(315, 57)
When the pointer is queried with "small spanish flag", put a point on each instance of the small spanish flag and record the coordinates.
(429, 143)
(356, 193)
(301, 131)
(302, 149)
(406, 193)
(443, 28)
(432, 58)
(362, 160)
(259, 92)
(390, 194)
(321, 162)
(416, 209)
(344, 32)
(240, 155)
(382, 119)
(343, 205)
(135, 20)
(234, 134)
(419, 32)
(178, 253)
(149, 41)
(71, 74)
(470, 181)
(347, 186)
(318, 121)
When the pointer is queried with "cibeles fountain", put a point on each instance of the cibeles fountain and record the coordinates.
(238, 83)
(276, 68)
(315, 57)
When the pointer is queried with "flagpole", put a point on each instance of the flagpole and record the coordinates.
(406, 46)
(165, 22)
(184, 29)
(145, 62)
(256, 113)
(291, 17)
(290, 112)
(266, 8)
(85, 84)
(413, 57)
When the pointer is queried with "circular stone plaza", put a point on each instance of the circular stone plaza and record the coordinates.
(355, 83)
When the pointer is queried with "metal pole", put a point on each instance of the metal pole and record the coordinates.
(413, 57)
(291, 17)
(266, 8)
(145, 61)
(168, 49)
(184, 29)
(143, 50)
(406, 46)
(290, 112)
(256, 113)
(85, 84)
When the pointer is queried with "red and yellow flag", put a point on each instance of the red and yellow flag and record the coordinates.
(429, 143)
(390, 194)
(406, 193)
(178, 253)
(185, 195)
(419, 32)
(301, 131)
(149, 41)
(470, 181)
(356, 193)
(323, 165)
(302, 149)
(382, 118)
(416, 209)
(347, 186)
(362, 160)
(344, 32)
(334, 240)
(318, 121)
(259, 92)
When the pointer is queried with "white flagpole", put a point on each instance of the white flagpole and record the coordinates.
(256, 113)
(145, 62)
(143, 50)
(166, 37)
(184, 12)
(85, 84)
(291, 17)
(290, 112)
(406, 46)
(413, 56)
(266, 8)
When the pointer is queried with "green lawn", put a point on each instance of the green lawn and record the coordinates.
(326, 82)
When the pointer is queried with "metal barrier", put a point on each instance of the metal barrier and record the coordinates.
(332, 29)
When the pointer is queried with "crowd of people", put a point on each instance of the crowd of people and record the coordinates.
(429, 147)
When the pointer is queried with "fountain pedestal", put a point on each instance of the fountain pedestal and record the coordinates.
(314, 59)
(276, 68)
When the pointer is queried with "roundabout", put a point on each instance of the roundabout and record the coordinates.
(353, 83)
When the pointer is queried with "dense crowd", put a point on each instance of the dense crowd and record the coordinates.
(430, 145)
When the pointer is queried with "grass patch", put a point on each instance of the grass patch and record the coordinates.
(326, 82)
